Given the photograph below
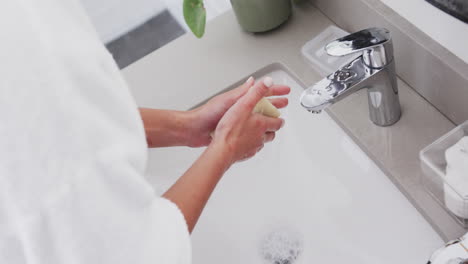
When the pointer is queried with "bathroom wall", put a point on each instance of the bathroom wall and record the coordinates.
(131, 29)
(430, 68)
(213, 8)
(113, 18)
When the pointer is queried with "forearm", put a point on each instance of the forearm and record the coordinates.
(165, 128)
(193, 189)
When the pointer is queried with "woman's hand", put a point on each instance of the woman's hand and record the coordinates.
(242, 133)
(164, 128)
(206, 118)
(238, 136)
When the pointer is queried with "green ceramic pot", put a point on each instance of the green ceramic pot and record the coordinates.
(261, 15)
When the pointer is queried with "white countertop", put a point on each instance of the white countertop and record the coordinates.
(189, 70)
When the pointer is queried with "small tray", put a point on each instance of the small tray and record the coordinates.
(433, 164)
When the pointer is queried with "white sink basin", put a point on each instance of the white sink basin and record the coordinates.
(313, 186)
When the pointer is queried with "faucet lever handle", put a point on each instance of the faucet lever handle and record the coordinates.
(374, 43)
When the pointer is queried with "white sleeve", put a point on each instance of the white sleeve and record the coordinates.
(72, 150)
(106, 213)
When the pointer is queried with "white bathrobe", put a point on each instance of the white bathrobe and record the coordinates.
(72, 149)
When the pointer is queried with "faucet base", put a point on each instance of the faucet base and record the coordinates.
(384, 102)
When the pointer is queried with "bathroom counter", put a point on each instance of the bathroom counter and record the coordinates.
(189, 70)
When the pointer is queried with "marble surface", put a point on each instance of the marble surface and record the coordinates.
(186, 72)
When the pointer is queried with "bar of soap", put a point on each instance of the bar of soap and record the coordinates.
(266, 108)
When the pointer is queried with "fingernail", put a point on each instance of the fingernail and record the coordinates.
(268, 81)
(282, 124)
(249, 80)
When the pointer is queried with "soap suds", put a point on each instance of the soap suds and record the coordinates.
(282, 246)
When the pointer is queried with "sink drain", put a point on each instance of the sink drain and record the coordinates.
(282, 246)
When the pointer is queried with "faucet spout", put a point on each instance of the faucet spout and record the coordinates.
(373, 70)
(335, 86)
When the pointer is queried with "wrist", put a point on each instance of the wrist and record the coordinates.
(165, 128)
(187, 132)
(191, 132)
(198, 129)
(221, 151)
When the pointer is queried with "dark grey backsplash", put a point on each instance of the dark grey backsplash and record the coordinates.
(456, 8)
(429, 68)
(146, 38)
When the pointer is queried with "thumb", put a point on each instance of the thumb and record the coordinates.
(255, 93)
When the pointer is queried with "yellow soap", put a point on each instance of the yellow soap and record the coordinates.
(266, 108)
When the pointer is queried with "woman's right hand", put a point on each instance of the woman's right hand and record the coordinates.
(242, 133)
(239, 135)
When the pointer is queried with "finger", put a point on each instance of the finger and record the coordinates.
(279, 102)
(241, 90)
(246, 103)
(269, 136)
(259, 148)
(279, 90)
(273, 124)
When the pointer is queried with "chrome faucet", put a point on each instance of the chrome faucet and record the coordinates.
(374, 70)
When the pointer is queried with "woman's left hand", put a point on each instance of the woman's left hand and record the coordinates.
(206, 117)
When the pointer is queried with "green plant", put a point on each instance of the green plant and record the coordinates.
(195, 16)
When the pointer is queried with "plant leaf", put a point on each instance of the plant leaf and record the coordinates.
(195, 16)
